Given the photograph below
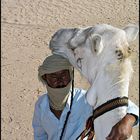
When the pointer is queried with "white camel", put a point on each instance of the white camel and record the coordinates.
(101, 53)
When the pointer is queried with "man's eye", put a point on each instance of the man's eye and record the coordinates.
(54, 77)
(63, 77)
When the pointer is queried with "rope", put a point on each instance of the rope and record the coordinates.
(65, 123)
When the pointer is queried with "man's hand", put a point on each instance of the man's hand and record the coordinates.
(123, 129)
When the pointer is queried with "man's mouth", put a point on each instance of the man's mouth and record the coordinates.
(62, 86)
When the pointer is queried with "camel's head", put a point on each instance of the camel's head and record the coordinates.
(89, 49)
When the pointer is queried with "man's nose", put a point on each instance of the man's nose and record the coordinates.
(59, 78)
(60, 83)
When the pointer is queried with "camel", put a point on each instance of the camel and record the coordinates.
(101, 53)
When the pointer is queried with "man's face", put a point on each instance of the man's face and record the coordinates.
(57, 79)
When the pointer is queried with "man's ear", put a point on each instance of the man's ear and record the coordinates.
(97, 45)
(131, 32)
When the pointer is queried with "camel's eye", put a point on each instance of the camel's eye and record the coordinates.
(73, 49)
(79, 63)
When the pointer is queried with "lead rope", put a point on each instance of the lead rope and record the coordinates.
(65, 123)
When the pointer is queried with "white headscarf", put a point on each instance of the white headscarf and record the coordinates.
(57, 96)
(53, 64)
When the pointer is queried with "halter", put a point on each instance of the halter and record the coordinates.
(108, 106)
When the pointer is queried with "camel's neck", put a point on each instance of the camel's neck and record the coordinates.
(109, 88)
(110, 82)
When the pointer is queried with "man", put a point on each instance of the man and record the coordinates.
(61, 113)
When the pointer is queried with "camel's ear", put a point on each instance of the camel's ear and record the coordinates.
(131, 32)
(97, 45)
(80, 37)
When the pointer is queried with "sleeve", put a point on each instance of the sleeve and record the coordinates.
(133, 109)
(39, 132)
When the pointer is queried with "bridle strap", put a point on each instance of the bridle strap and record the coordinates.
(108, 106)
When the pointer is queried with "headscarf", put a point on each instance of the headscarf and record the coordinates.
(53, 64)
(57, 96)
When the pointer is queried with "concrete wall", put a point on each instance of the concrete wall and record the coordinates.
(27, 26)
